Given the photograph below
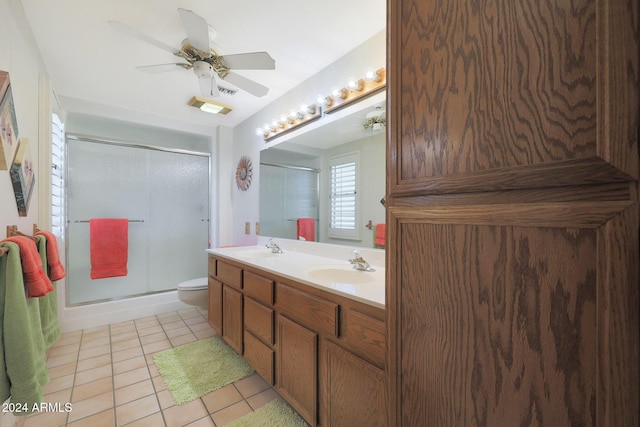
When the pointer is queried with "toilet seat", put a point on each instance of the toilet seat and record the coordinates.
(194, 285)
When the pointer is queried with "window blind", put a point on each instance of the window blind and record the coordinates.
(57, 175)
(343, 215)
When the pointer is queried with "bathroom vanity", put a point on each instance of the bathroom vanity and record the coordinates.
(311, 326)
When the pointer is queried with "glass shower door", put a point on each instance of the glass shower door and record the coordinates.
(164, 194)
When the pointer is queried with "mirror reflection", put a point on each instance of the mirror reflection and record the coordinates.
(327, 184)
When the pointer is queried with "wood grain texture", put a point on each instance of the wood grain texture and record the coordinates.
(500, 95)
(618, 329)
(259, 356)
(259, 319)
(232, 317)
(623, 191)
(214, 313)
(258, 287)
(297, 367)
(317, 313)
(365, 336)
(512, 222)
(618, 83)
(504, 322)
(229, 274)
(577, 214)
(357, 391)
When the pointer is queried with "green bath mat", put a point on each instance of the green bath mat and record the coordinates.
(273, 414)
(195, 369)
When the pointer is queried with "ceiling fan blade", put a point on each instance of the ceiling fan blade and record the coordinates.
(208, 87)
(163, 68)
(250, 61)
(247, 85)
(141, 36)
(197, 30)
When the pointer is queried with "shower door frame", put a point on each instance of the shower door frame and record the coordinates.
(115, 142)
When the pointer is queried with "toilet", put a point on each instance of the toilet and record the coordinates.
(194, 292)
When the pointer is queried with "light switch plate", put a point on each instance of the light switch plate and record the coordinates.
(258, 228)
(247, 227)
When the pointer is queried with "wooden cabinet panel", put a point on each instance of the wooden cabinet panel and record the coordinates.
(229, 274)
(232, 317)
(297, 364)
(315, 312)
(478, 107)
(258, 287)
(259, 356)
(215, 305)
(212, 266)
(259, 320)
(365, 336)
(506, 321)
(355, 391)
(516, 307)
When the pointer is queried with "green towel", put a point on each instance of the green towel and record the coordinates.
(22, 350)
(48, 303)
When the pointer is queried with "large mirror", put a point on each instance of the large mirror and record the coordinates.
(327, 183)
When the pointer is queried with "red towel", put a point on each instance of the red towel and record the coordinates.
(109, 244)
(306, 229)
(35, 279)
(56, 270)
(381, 235)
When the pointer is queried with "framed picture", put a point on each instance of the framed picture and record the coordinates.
(8, 123)
(23, 176)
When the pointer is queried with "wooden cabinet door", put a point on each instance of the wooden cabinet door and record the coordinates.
(512, 225)
(215, 305)
(297, 367)
(355, 393)
(232, 318)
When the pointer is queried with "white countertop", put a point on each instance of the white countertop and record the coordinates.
(320, 265)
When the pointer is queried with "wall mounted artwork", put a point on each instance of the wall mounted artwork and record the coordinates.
(23, 176)
(8, 123)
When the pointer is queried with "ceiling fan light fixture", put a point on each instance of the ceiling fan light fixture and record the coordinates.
(210, 106)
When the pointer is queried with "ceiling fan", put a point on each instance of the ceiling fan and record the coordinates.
(197, 54)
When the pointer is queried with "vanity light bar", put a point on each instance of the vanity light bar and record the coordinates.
(355, 90)
(295, 119)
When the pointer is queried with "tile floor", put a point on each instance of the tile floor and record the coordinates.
(108, 375)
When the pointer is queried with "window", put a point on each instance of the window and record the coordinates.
(57, 171)
(344, 199)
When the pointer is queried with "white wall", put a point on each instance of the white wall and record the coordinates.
(20, 57)
(371, 55)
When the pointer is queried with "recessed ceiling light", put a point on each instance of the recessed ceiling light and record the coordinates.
(209, 106)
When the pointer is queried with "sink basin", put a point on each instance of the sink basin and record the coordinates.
(339, 274)
(255, 254)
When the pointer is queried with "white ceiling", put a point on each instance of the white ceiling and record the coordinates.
(92, 66)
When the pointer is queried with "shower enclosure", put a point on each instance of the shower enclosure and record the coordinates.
(287, 193)
(165, 196)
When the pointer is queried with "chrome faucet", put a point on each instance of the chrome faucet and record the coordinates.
(358, 262)
(275, 249)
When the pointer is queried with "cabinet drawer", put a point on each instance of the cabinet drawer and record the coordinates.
(259, 320)
(259, 356)
(316, 313)
(365, 336)
(212, 266)
(229, 274)
(258, 287)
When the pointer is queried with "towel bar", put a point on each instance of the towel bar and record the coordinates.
(86, 220)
